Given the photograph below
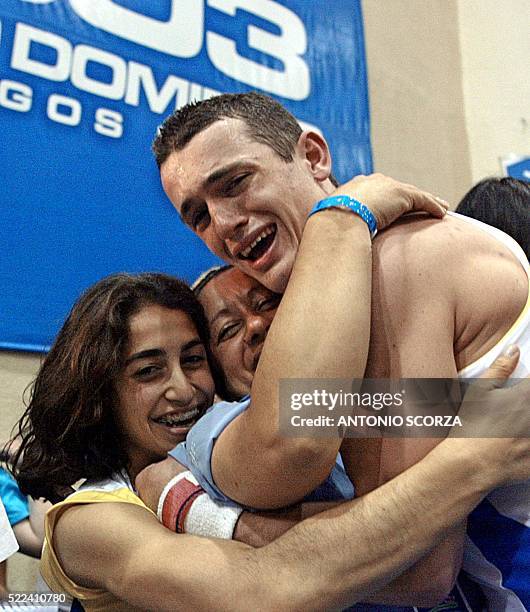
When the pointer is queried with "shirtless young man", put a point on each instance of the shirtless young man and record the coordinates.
(145, 378)
(444, 297)
(240, 312)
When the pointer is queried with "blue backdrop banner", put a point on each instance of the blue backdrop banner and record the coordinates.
(83, 86)
(517, 167)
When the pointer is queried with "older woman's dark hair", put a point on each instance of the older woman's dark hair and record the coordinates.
(222, 388)
(503, 203)
(68, 430)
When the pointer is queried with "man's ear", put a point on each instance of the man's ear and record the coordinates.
(313, 151)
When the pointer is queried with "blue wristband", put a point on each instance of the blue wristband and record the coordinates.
(355, 206)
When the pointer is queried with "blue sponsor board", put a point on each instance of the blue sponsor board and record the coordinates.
(83, 86)
(518, 168)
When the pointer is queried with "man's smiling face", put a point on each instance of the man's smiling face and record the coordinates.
(242, 199)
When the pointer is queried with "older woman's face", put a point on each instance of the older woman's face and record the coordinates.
(164, 386)
(239, 311)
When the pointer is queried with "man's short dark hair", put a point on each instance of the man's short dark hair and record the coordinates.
(268, 122)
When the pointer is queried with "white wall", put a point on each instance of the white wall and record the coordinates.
(449, 88)
(415, 88)
(495, 51)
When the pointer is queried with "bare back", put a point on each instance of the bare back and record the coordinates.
(444, 293)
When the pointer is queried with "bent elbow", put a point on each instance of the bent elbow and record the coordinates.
(300, 467)
(313, 457)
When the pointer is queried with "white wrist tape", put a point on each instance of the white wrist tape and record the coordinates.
(209, 518)
(202, 515)
(187, 475)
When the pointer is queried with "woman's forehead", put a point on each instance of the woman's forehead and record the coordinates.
(227, 287)
(154, 324)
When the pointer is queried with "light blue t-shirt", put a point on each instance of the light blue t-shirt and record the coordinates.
(196, 454)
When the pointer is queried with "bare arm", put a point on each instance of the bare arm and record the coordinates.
(321, 330)
(29, 532)
(154, 568)
(30, 544)
(259, 528)
(37, 512)
(425, 584)
(266, 472)
(420, 506)
(253, 528)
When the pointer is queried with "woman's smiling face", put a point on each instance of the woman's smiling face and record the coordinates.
(240, 311)
(164, 386)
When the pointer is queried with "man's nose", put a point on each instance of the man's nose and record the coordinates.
(229, 220)
(256, 329)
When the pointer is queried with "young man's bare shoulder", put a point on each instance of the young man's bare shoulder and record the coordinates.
(418, 239)
(420, 253)
(449, 266)
(451, 248)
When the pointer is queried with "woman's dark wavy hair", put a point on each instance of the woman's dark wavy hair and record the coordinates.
(68, 430)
